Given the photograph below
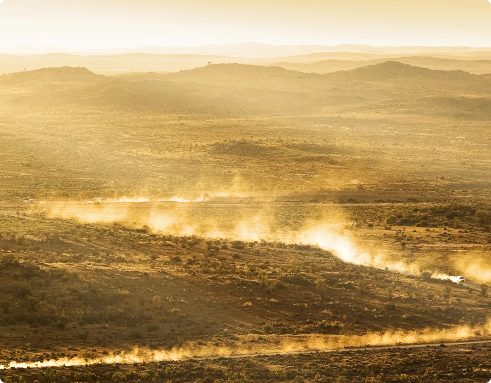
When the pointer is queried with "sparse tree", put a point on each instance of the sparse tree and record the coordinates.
(118, 377)
(448, 291)
(362, 286)
(263, 281)
(482, 216)
(321, 287)
(484, 291)
(390, 291)
(32, 304)
(426, 275)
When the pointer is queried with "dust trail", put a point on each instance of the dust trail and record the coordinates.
(330, 239)
(164, 217)
(446, 277)
(253, 227)
(289, 345)
(327, 236)
(96, 212)
(127, 200)
(475, 265)
(184, 200)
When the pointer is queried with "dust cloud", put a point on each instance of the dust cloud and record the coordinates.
(287, 345)
(184, 200)
(97, 213)
(181, 216)
(446, 277)
(473, 265)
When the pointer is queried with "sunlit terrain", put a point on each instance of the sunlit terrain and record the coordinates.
(316, 217)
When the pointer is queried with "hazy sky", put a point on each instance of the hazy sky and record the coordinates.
(135, 23)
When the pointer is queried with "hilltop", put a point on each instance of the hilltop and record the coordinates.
(51, 75)
(396, 71)
(251, 76)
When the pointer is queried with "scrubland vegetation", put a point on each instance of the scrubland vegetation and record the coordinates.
(103, 249)
(71, 288)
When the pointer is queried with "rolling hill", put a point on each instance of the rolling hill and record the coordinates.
(51, 75)
(250, 89)
(435, 63)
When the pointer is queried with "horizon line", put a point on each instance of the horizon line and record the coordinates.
(250, 42)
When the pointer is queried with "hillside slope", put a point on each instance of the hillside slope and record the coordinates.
(249, 90)
(50, 75)
(436, 63)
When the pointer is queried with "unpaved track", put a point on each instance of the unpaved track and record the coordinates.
(352, 349)
(473, 286)
(368, 348)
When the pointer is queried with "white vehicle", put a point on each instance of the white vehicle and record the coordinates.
(460, 279)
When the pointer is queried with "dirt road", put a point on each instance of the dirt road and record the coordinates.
(366, 348)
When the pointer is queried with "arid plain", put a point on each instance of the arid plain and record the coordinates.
(170, 225)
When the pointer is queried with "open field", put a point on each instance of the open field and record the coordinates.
(148, 135)
(245, 209)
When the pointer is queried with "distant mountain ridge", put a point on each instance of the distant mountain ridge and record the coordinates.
(321, 63)
(238, 89)
(435, 63)
(254, 50)
(387, 70)
(217, 73)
